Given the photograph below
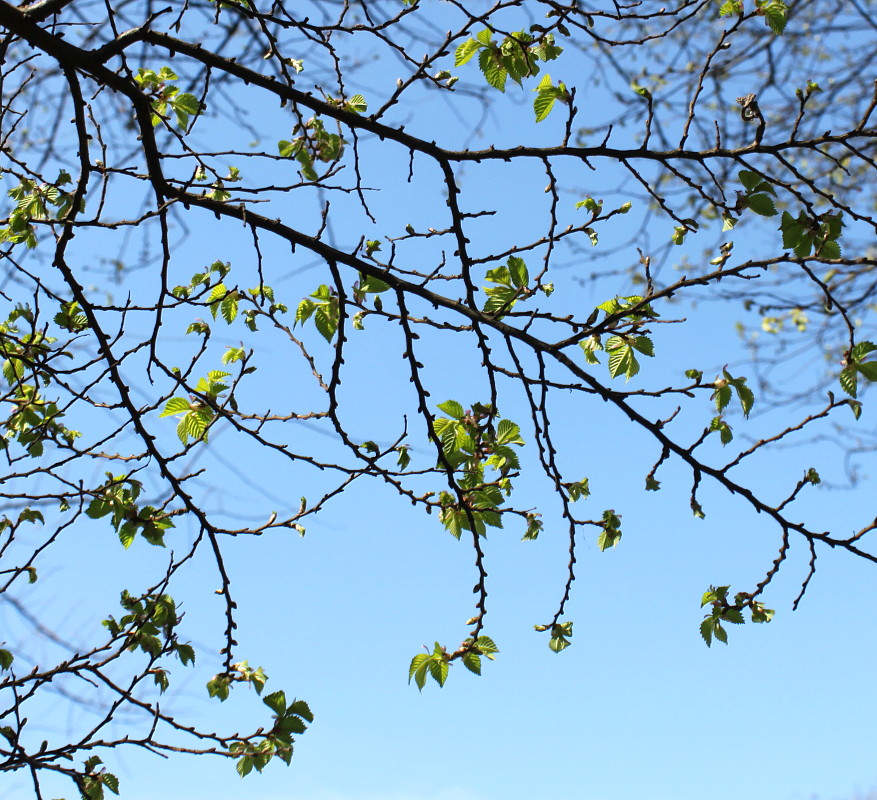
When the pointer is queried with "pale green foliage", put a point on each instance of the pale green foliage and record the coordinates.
(36, 201)
(33, 420)
(323, 306)
(198, 412)
(510, 285)
(723, 611)
(515, 57)
(472, 441)
(163, 96)
(314, 143)
(546, 95)
(722, 394)
(854, 365)
(117, 498)
(437, 663)
(632, 312)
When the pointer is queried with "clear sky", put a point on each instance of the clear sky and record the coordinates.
(638, 708)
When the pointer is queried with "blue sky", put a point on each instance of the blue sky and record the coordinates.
(638, 707)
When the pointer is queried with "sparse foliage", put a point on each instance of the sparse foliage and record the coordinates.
(707, 150)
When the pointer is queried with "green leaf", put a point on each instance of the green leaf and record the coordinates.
(438, 668)
(775, 15)
(546, 97)
(218, 686)
(452, 408)
(706, 630)
(184, 106)
(518, 272)
(750, 180)
(761, 204)
(578, 490)
(276, 701)
(244, 766)
(326, 322)
(176, 405)
(861, 349)
(725, 434)
(621, 358)
(490, 63)
(465, 51)
(356, 104)
(6, 659)
(722, 395)
(589, 347)
(744, 393)
(472, 662)
(868, 369)
(590, 204)
(829, 250)
(534, 528)
(643, 345)
(507, 432)
(417, 670)
(229, 307)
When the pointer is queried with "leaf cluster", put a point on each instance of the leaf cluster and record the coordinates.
(472, 441)
(163, 96)
(723, 611)
(314, 143)
(36, 201)
(515, 57)
(117, 498)
(855, 365)
(437, 663)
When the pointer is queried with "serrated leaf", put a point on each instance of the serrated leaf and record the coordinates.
(452, 408)
(749, 179)
(465, 51)
(775, 15)
(518, 272)
(861, 349)
(722, 395)
(733, 615)
(417, 663)
(644, 345)
(438, 668)
(326, 323)
(544, 103)
(357, 104)
(302, 709)
(507, 432)
(229, 307)
(830, 250)
(492, 68)
(761, 204)
(849, 381)
(622, 361)
(706, 630)
(176, 405)
(244, 766)
(472, 662)
(276, 701)
(127, 534)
